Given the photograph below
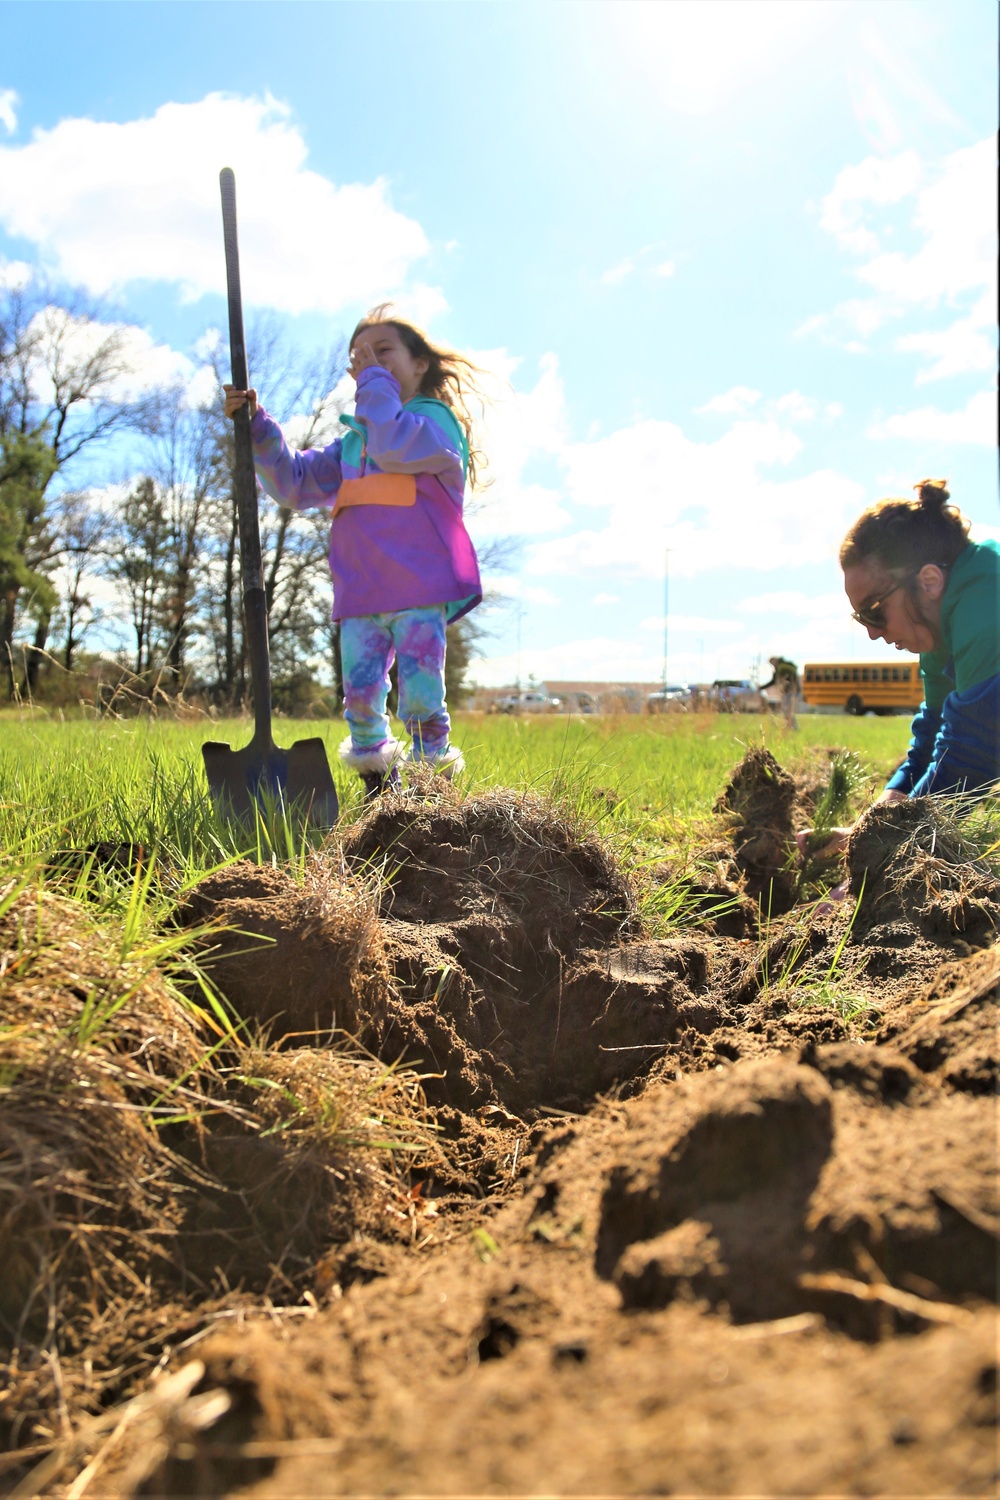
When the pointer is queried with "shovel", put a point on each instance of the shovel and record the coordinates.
(240, 781)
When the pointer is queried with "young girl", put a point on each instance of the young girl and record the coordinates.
(402, 562)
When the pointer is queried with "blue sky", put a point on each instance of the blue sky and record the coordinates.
(733, 263)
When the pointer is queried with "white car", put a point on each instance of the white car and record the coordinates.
(526, 703)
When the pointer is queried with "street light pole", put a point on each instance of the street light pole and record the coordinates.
(666, 611)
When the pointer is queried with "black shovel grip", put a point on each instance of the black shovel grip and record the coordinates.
(244, 478)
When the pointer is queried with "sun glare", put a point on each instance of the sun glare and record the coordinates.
(700, 55)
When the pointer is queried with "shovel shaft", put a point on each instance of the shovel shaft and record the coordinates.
(245, 480)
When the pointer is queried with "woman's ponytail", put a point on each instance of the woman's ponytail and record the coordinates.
(906, 534)
(933, 493)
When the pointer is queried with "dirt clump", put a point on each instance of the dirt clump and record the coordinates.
(911, 864)
(720, 1176)
(295, 956)
(952, 1030)
(760, 802)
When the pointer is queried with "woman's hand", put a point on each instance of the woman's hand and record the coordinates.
(835, 843)
(235, 398)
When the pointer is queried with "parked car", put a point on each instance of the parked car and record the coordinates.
(736, 695)
(669, 699)
(526, 703)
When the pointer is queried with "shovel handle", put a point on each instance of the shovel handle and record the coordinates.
(244, 478)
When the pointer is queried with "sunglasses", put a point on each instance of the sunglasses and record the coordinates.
(873, 615)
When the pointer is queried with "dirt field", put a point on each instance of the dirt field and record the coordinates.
(713, 1214)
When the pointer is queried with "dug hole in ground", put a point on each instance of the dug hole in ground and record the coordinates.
(708, 1214)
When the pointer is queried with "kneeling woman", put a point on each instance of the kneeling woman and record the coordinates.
(915, 580)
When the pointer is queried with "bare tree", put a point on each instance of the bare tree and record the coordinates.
(187, 447)
(61, 382)
(84, 531)
(136, 564)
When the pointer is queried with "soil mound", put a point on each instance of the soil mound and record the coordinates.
(754, 1251)
(756, 1281)
(485, 941)
(150, 1164)
(760, 800)
(911, 864)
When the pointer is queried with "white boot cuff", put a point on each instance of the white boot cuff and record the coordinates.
(381, 758)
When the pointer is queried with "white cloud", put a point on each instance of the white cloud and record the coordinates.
(526, 593)
(134, 362)
(600, 599)
(738, 399)
(975, 423)
(878, 180)
(518, 428)
(799, 408)
(708, 502)
(650, 487)
(794, 603)
(9, 100)
(965, 347)
(107, 204)
(618, 273)
(642, 262)
(15, 275)
(697, 625)
(955, 217)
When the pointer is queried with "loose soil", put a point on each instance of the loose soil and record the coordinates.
(715, 1213)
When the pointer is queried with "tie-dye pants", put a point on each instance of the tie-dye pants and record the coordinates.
(368, 644)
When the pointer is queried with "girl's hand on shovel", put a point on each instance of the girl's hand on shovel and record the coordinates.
(236, 398)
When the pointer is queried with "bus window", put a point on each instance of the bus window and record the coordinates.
(895, 674)
(866, 674)
(827, 675)
(855, 674)
(886, 674)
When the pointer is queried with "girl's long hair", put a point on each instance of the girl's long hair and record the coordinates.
(906, 534)
(450, 378)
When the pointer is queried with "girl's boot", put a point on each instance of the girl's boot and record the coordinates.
(377, 782)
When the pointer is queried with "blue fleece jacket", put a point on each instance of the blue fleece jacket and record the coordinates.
(956, 732)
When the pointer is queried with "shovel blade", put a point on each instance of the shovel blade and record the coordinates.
(241, 781)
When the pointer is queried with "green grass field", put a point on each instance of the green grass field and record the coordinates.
(638, 780)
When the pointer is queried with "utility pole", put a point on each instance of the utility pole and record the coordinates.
(520, 616)
(666, 611)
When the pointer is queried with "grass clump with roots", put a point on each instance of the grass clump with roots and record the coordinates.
(143, 1137)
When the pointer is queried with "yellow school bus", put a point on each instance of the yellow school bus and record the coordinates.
(857, 686)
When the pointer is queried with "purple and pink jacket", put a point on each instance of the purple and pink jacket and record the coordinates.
(386, 554)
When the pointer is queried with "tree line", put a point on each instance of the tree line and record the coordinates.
(139, 579)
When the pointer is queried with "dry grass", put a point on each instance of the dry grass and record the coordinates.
(141, 1147)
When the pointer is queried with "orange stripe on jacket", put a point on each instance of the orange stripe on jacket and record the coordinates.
(377, 489)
